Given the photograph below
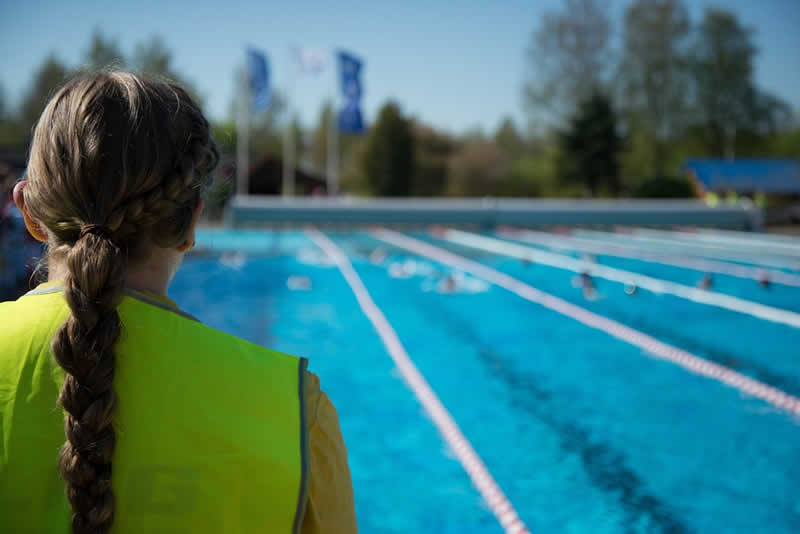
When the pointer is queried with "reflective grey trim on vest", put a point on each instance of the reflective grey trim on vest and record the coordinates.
(138, 295)
(143, 297)
(43, 291)
(302, 497)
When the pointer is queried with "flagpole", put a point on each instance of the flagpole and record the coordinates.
(288, 166)
(242, 155)
(332, 174)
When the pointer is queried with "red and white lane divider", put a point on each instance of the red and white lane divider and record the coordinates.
(563, 242)
(650, 345)
(499, 504)
(655, 285)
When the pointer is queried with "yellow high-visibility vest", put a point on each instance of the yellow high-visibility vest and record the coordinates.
(210, 429)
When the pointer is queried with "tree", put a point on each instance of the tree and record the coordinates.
(103, 52)
(10, 133)
(319, 141)
(654, 71)
(388, 160)
(225, 135)
(3, 105)
(154, 57)
(265, 127)
(569, 56)
(509, 140)
(590, 146)
(50, 75)
(432, 153)
(478, 168)
(728, 101)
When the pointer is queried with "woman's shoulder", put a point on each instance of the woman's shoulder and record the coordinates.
(146, 315)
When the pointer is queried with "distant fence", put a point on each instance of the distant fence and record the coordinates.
(488, 212)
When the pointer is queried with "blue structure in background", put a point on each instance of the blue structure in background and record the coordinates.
(258, 76)
(769, 176)
(350, 118)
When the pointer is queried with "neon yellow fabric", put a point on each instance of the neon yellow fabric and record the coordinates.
(211, 438)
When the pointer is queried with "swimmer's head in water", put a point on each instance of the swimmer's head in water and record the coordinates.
(117, 166)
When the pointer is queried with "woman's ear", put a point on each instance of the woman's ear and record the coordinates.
(31, 224)
(189, 243)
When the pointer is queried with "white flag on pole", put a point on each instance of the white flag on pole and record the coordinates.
(309, 60)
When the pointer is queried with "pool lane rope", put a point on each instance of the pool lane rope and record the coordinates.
(498, 503)
(753, 242)
(563, 242)
(651, 346)
(655, 285)
(706, 250)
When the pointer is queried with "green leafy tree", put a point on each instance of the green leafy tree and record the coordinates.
(224, 133)
(319, 141)
(50, 75)
(590, 146)
(508, 139)
(388, 160)
(266, 128)
(104, 52)
(654, 72)
(10, 133)
(3, 104)
(432, 153)
(297, 136)
(568, 57)
(734, 112)
(478, 168)
(353, 179)
(154, 57)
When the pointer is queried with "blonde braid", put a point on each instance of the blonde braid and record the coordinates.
(117, 166)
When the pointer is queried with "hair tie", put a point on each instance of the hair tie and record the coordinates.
(96, 229)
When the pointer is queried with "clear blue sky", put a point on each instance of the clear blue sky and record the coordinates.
(455, 64)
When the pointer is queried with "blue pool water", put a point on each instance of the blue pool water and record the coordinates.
(583, 432)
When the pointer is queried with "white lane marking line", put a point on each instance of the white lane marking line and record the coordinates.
(624, 251)
(655, 285)
(495, 498)
(650, 345)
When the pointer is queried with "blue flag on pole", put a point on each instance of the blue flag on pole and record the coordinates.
(350, 119)
(258, 76)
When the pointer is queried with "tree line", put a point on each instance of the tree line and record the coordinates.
(601, 119)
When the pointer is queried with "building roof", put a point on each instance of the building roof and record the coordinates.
(777, 176)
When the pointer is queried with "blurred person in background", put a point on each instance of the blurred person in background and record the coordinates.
(166, 424)
(18, 250)
(706, 283)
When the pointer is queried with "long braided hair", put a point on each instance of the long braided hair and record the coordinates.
(118, 164)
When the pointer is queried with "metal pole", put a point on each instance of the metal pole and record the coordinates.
(333, 140)
(287, 188)
(242, 156)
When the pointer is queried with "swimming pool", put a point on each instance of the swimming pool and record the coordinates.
(582, 430)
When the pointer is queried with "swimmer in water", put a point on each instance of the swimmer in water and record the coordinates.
(378, 255)
(448, 285)
(631, 289)
(298, 283)
(763, 280)
(706, 283)
(587, 284)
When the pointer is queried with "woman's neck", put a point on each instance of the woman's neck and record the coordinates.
(152, 276)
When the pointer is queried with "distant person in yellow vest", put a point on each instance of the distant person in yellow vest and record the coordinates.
(165, 425)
